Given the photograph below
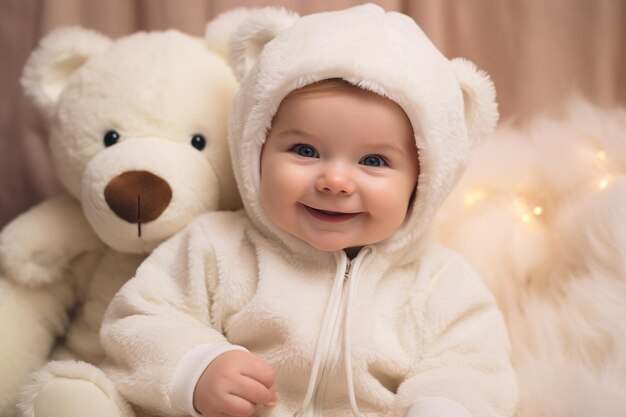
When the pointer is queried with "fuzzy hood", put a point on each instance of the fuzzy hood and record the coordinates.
(450, 104)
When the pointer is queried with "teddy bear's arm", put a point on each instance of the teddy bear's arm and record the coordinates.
(30, 319)
(38, 246)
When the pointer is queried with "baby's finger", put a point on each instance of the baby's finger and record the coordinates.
(259, 370)
(253, 391)
(236, 406)
(274, 398)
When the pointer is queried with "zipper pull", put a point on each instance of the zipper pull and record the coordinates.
(346, 275)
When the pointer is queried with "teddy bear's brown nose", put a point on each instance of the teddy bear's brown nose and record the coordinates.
(138, 196)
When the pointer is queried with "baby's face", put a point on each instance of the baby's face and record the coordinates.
(338, 169)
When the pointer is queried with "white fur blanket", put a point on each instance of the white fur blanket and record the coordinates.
(541, 212)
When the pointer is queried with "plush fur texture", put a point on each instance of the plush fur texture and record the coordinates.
(479, 100)
(59, 55)
(67, 257)
(30, 319)
(76, 371)
(541, 212)
(219, 32)
(246, 44)
(32, 258)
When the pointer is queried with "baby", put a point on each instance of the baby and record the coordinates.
(326, 296)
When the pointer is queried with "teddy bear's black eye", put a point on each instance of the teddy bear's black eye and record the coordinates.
(110, 138)
(198, 141)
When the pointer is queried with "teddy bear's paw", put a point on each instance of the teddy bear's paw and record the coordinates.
(38, 246)
(71, 389)
(68, 397)
(36, 269)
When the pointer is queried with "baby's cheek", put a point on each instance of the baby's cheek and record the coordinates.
(290, 177)
(279, 185)
(391, 207)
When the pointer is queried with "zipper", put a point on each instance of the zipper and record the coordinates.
(346, 274)
(314, 401)
(319, 395)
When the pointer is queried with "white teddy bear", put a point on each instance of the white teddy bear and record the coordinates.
(138, 138)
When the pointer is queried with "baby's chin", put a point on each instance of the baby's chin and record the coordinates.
(326, 246)
(334, 241)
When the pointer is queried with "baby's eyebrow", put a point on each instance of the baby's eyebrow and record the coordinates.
(384, 148)
(294, 131)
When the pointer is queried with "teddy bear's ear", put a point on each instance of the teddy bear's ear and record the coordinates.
(247, 42)
(479, 100)
(57, 58)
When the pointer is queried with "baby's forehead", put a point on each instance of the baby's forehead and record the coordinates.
(335, 107)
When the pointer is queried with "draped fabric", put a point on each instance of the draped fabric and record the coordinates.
(538, 52)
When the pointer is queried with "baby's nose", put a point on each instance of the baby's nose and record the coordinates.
(336, 180)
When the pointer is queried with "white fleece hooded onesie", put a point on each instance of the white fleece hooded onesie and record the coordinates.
(407, 327)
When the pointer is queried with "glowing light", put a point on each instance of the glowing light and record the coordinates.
(472, 198)
(537, 210)
(604, 183)
(601, 155)
(526, 218)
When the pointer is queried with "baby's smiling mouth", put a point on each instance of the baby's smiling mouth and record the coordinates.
(329, 216)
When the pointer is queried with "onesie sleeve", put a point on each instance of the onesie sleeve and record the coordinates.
(462, 366)
(159, 316)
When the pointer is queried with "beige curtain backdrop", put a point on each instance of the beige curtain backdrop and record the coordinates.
(538, 53)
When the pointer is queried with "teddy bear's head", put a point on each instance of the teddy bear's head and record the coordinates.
(138, 127)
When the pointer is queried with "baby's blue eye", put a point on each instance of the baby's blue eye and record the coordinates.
(305, 151)
(372, 161)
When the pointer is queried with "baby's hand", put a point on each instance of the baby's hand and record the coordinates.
(233, 385)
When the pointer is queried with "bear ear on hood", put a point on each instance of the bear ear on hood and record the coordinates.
(218, 31)
(479, 100)
(55, 61)
(247, 42)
